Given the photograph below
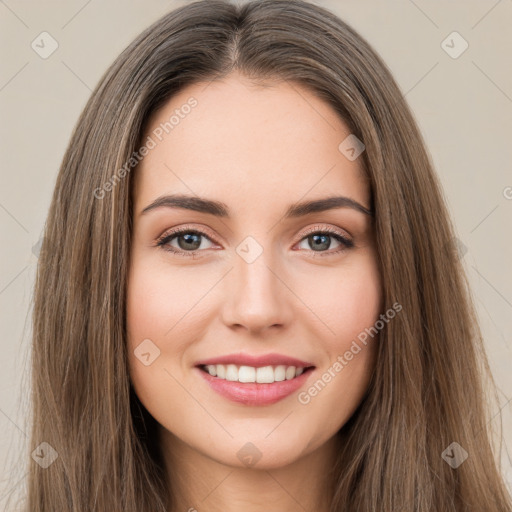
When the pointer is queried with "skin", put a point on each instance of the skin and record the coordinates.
(258, 150)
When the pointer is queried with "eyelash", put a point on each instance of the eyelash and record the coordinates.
(162, 241)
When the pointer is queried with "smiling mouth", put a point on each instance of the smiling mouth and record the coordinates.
(251, 374)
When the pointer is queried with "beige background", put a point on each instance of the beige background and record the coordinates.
(463, 107)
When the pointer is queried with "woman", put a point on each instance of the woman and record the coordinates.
(254, 300)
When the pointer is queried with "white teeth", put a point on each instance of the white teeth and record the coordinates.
(221, 371)
(279, 373)
(262, 375)
(265, 375)
(231, 372)
(290, 372)
(247, 374)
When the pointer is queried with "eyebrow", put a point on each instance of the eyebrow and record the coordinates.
(219, 209)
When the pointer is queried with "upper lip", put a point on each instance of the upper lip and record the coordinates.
(256, 361)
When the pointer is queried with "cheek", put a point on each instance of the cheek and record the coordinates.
(341, 386)
(164, 316)
(160, 304)
(350, 350)
(154, 349)
(349, 302)
(148, 317)
(147, 302)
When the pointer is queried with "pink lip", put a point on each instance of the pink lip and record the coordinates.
(256, 361)
(253, 393)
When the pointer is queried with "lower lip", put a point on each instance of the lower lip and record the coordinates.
(253, 393)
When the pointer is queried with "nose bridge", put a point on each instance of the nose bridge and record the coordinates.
(257, 298)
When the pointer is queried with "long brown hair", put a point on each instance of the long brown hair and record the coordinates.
(429, 387)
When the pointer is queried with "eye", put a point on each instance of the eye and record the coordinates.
(190, 241)
(320, 239)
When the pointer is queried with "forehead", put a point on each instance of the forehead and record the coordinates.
(273, 142)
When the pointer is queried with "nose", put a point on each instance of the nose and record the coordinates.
(257, 296)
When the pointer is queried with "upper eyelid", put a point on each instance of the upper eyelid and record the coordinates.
(185, 229)
(327, 229)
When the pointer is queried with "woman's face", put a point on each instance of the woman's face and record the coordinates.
(248, 277)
